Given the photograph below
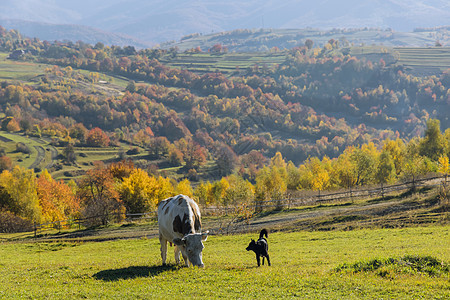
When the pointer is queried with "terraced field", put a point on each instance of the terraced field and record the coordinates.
(424, 61)
(225, 62)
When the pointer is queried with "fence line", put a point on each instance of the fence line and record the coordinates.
(260, 205)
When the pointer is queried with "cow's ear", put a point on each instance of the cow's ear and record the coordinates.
(179, 242)
(205, 235)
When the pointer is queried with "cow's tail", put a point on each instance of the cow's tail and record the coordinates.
(263, 233)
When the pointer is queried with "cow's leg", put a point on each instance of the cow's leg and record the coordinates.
(186, 260)
(268, 259)
(163, 243)
(177, 254)
(263, 260)
(258, 260)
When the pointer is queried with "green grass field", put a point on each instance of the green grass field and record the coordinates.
(19, 70)
(303, 265)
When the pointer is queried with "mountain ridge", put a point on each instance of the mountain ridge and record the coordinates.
(160, 21)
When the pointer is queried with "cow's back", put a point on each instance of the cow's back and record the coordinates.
(178, 216)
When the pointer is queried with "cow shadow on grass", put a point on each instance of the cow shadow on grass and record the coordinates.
(133, 272)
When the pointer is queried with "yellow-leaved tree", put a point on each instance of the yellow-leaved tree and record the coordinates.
(141, 192)
(203, 193)
(184, 187)
(19, 195)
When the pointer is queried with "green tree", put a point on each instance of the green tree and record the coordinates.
(270, 185)
(433, 144)
(293, 176)
(240, 191)
(365, 160)
(386, 168)
(414, 167)
(131, 87)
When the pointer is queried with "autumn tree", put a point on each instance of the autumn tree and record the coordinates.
(194, 156)
(397, 151)
(5, 163)
(122, 169)
(344, 171)
(78, 132)
(218, 191)
(97, 138)
(19, 194)
(184, 187)
(138, 192)
(415, 166)
(69, 154)
(56, 198)
(159, 147)
(293, 176)
(175, 157)
(98, 196)
(226, 160)
(309, 43)
(131, 86)
(444, 167)
(320, 175)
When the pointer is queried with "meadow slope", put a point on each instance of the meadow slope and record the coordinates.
(303, 265)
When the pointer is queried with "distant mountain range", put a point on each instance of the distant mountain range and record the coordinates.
(149, 22)
(62, 32)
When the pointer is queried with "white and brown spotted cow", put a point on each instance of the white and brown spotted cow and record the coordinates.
(179, 223)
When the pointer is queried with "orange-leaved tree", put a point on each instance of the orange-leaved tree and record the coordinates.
(56, 198)
(97, 138)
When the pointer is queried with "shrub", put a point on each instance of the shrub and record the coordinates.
(21, 147)
(10, 223)
(406, 264)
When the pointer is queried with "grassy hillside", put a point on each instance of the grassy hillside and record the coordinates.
(19, 70)
(245, 40)
(43, 155)
(420, 61)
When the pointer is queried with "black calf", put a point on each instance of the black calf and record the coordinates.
(260, 247)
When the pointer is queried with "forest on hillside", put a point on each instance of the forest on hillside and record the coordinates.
(322, 119)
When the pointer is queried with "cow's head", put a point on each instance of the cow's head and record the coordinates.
(191, 246)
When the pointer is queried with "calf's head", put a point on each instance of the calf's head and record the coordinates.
(191, 245)
(251, 245)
